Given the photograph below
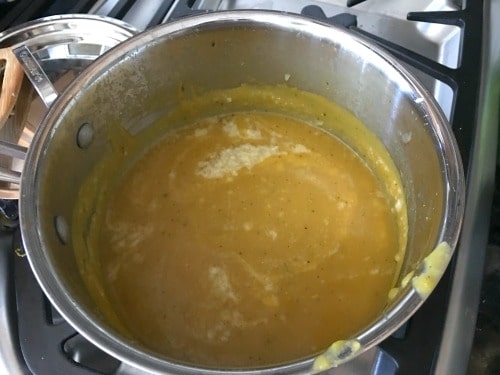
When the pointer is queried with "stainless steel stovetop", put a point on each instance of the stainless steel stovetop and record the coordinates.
(457, 57)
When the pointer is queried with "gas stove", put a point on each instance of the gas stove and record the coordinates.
(451, 48)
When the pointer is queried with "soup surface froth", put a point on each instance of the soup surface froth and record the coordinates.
(243, 227)
(247, 239)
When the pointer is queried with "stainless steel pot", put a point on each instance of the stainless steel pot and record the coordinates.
(223, 50)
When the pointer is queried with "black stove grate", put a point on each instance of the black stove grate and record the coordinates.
(463, 80)
(49, 345)
(351, 3)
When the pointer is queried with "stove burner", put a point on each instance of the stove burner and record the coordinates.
(48, 343)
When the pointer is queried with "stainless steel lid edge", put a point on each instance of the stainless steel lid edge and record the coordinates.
(42, 37)
(30, 25)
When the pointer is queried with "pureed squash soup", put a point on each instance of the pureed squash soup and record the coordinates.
(246, 227)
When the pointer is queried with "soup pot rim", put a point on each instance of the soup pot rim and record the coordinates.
(69, 307)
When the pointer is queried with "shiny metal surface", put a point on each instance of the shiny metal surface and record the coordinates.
(41, 83)
(142, 12)
(386, 19)
(15, 152)
(367, 81)
(459, 331)
(10, 176)
(12, 150)
(367, 363)
(438, 42)
(63, 46)
(11, 362)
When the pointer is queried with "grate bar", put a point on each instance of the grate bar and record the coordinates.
(452, 18)
(145, 13)
(351, 3)
(112, 8)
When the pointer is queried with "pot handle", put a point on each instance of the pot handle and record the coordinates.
(20, 60)
(36, 75)
(11, 84)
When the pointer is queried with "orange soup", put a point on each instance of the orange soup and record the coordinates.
(247, 239)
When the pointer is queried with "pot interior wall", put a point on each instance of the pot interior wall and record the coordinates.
(133, 88)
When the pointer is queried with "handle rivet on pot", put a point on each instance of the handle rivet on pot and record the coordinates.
(62, 229)
(85, 135)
